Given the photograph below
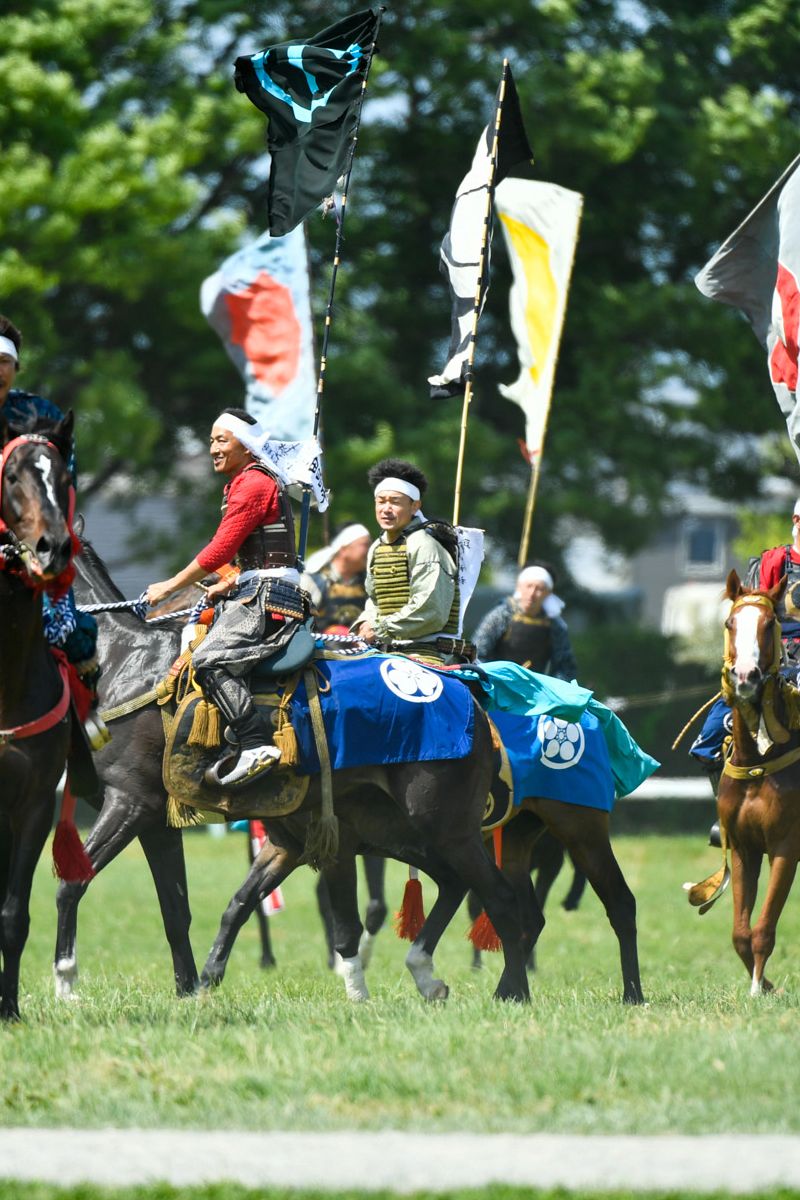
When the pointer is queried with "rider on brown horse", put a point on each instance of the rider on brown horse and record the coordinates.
(263, 605)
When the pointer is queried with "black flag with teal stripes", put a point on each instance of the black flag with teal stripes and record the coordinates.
(310, 91)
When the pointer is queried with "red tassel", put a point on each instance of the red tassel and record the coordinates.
(70, 861)
(410, 917)
(483, 934)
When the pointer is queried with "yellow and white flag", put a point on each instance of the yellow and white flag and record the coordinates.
(540, 224)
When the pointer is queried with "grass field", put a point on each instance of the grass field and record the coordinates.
(283, 1050)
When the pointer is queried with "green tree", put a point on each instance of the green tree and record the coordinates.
(130, 167)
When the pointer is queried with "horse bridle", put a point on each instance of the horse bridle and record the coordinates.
(760, 601)
(13, 550)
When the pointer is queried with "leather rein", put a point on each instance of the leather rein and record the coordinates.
(775, 731)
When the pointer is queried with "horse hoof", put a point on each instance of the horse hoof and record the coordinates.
(438, 993)
(352, 972)
(65, 977)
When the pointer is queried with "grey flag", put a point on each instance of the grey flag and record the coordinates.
(756, 270)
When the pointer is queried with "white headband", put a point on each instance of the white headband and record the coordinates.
(252, 437)
(398, 485)
(350, 534)
(8, 347)
(536, 575)
(795, 510)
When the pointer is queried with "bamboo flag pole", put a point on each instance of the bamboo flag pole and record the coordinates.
(476, 312)
(323, 361)
(536, 461)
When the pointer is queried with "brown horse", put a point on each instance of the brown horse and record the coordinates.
(35, 549)
(759, 793)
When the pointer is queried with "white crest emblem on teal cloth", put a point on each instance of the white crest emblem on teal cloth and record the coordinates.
(563, 742)
(409, 681)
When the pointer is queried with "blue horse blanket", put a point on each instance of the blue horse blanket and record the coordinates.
(516, 691)
(558, 759)
(391, 709)
(384, 709)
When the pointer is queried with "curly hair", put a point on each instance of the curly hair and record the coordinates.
(397, 468)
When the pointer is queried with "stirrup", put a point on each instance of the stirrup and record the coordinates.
(248, 766)
(96, 731)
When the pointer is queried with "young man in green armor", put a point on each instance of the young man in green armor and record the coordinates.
(412, 602)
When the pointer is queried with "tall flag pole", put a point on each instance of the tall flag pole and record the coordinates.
(466, 250)
(311, 93)
(337, 251)
(757, 270)
(540, 223)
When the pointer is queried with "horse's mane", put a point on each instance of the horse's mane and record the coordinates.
(89, 557)
(98, 575)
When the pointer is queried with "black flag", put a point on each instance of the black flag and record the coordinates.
(460, 254)
(310, 91)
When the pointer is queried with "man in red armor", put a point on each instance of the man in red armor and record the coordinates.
(768, 569)
(262, 606)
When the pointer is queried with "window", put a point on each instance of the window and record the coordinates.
(703, 547)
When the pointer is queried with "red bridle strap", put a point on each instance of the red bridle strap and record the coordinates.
(9, 449)
(50, 718)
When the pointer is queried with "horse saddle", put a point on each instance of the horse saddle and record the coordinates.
(500, 801)
(188, 754)
(290, 657)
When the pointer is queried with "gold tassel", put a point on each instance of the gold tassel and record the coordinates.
(206, 726)
(497, 743)
(181, 816)
(285, 739)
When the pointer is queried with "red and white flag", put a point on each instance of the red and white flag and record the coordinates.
(757, 270)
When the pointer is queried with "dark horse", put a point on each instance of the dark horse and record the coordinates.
(758, 800)
(584, 832)
(427, 814)
(35, 550)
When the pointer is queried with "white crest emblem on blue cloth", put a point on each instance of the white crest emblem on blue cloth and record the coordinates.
(563, 742)
(409, 681)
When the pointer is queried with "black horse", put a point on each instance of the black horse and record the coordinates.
(428, 815)
(35, 728)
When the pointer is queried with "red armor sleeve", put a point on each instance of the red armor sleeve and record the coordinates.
(772, 565)
(252, 501)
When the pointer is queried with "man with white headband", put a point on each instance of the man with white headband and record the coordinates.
(412, 578)
(528, 628)
(335, 578)
(71, 631)
(264, 604)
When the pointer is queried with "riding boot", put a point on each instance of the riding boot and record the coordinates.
(257, 754)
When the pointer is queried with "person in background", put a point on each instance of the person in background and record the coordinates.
(527, 628)
(335, 579)
(64, 627)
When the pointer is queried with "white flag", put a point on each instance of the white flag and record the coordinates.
(259, 304)
(540, 225)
